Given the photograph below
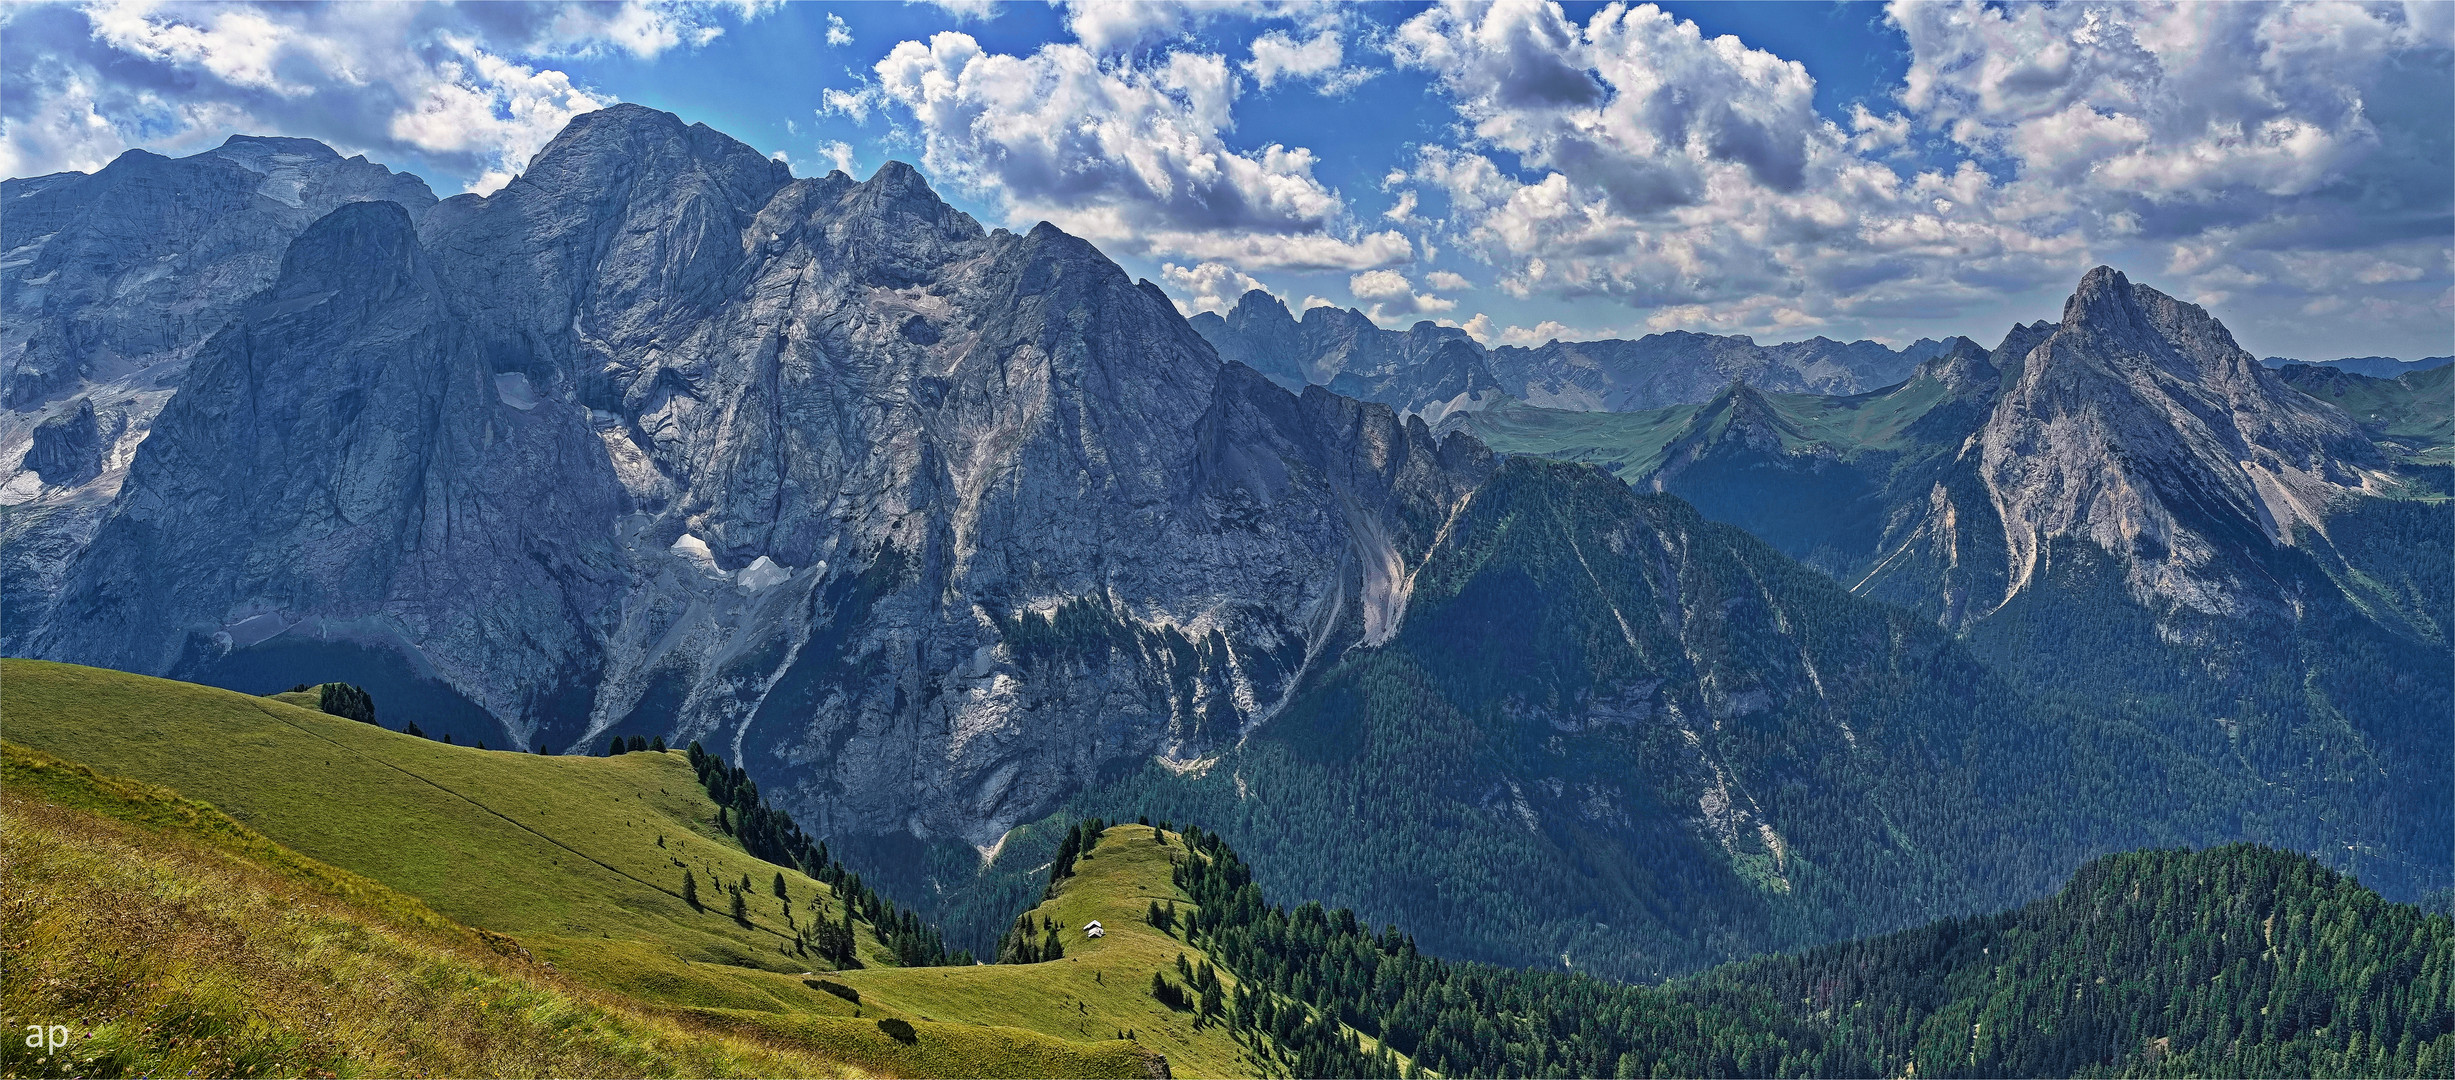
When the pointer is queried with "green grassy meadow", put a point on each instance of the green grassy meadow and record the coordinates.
(169, 939)
(580, 860)
(1102, 986)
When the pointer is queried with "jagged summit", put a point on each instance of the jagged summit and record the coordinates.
(2140, 426)
(1257, 304)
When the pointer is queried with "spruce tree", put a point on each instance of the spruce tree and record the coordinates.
(780, 894)
(741, 911)
(690, 889)
(412, 729)
(638, 744)
(614, 748)
(657, 744)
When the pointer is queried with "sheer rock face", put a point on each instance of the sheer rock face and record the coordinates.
(926, 524)
(109, 282)
(341, 463)
(139, 262)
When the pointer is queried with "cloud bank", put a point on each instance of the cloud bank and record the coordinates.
(466, 88)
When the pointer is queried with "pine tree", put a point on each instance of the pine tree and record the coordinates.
(690, 889)
(412, 729)
(658, 744)
(780, 894)
(614, 748)
(741, 910)
(638, 744)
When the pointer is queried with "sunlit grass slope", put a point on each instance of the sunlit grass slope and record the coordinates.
(560, 854)
(563, 853)
(1102, 986)
(170, 940)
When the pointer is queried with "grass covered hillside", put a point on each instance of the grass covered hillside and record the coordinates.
(169, 939)
(585, 860)
(579, 861)
(1099, 986)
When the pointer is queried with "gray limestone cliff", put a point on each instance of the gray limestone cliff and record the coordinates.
(2138, 426)
(818, 472)
(109, 283)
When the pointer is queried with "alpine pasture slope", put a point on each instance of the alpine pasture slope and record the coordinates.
(560, 857)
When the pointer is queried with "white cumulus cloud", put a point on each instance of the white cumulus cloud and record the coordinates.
(1208, 286)
(471, 91)
(1125, 152)
(1391, 295)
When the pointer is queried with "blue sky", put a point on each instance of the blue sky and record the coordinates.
(1524, 170)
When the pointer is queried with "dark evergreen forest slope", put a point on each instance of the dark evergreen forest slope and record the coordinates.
(1611, 736)
(2235, 961)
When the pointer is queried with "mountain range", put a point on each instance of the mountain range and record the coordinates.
(2376, 367)
(1434, 371)
(941, 530)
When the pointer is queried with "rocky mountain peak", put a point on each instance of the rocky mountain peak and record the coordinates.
(636, 147)
(114, 274)
(1962, 367)
(363, 247)
(256, 148)
(1256, 309)
(2103, 296)
(901, 198)
(2139, 425)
